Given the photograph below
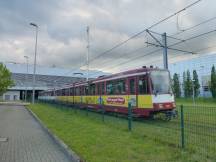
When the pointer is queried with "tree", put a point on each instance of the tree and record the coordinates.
(213, 82)
(184, 84)
(176, 85)
(5, 79)
(196, 83)
(187, 83)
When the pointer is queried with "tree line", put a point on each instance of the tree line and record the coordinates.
(191, 85)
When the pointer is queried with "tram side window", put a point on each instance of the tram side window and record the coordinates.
(120, 87)
(86, 90)
(71, 91)
(102, 89)
(132, 86)
(81, 90)
(67, 92)
(115, 87)
(92, 89)
(143, 85)
(63, 92)
(58, 92)
(98, 89)
(77, 91)
(109, 88)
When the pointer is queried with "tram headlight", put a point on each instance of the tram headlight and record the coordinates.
(173, 104)
(160, 106)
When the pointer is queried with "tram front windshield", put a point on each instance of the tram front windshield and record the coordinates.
(160, 82)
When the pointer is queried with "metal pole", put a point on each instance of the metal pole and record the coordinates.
(102, 108)
(35, 60)
(26, 77)
(193, 93)
(87, 57)
(129, 116)
(182, 127)
(103, 112)
(201, 78)
(165, 57)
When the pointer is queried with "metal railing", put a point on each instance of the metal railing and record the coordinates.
(193, 129)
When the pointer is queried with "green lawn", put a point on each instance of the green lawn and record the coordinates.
(198, 101)
(96, 141)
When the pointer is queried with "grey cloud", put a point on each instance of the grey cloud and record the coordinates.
(62, 33)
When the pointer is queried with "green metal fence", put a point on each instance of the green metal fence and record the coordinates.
(194, 128)
(200, 129)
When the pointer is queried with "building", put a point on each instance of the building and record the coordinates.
(202, 65)
(46, 78)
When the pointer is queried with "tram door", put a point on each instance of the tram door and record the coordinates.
(132, 91)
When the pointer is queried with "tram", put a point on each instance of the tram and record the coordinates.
(148, 90)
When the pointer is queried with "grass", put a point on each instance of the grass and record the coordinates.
(198, 101)
(200, 124)
(150, 140)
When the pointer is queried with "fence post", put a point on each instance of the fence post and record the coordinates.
(182, 127)
(103, 111)
(129, 116)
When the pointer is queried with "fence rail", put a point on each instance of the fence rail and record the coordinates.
(193, 129)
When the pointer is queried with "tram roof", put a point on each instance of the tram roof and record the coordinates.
(128, 73)
(124, 74)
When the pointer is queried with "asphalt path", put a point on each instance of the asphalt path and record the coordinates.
(22, 138)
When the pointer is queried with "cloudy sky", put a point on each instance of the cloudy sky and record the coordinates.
(62, 31)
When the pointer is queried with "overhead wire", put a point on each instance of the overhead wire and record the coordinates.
(152, 52)
(194, 26)
(181, 41)
(137, 34)
(173, 57)
(185, 30)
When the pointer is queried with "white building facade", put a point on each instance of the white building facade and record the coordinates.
(11, 95)
(46, 78)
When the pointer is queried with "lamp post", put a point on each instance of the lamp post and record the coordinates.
(26, 77)
(87, 58)
(35, 59)
(201, 77)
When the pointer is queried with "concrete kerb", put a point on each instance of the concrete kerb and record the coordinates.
(71, 154)
(15, 103)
